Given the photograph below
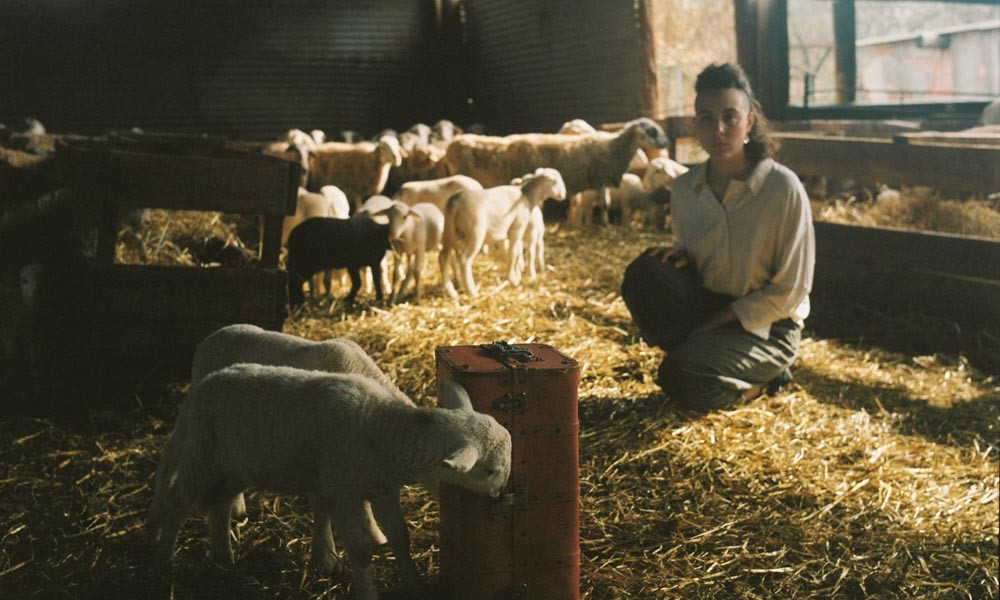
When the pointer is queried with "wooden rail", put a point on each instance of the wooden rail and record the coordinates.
(949, 276)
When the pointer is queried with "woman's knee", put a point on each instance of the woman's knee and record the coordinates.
(693, 390)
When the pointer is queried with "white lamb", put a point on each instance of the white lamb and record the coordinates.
(329, 202)
(635, 194)
(341, 439)
(245, 343)
(475, 217)
(435, 191)
(413, 231)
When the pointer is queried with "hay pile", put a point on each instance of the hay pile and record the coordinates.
(919, 208)
(874, 475)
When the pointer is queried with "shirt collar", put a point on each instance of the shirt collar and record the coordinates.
(755, 181)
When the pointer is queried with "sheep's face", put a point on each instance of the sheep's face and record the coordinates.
(553, 182)
(399, 215)
(389, 151)
(661, 173)
(482, 466)
(648, 133)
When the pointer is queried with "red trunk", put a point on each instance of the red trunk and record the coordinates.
(525, 544)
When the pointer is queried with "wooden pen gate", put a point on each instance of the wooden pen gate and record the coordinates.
(148, 319)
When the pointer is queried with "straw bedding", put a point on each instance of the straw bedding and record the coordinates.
(874, 475)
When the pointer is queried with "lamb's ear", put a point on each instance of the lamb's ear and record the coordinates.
(461, 460)
(454, 396)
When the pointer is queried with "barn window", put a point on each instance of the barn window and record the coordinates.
(867, 53)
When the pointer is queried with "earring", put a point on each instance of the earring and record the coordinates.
(746, 140)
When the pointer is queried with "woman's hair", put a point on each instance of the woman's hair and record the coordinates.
(729, 76)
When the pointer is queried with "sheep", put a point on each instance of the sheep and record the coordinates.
(474, 217)
(435, 191)
(582, 203)
(586, 162)
(359, 170)
(421, 133)
(323, 243)
(297, 137)
(329, 202)
(636, 194)
(341, 439)
(576, 127)
(444, 131)
(244, 343)
(414, 230)
(419, 163)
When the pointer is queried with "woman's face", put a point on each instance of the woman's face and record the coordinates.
(722, 121)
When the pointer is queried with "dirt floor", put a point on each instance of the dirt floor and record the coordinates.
(875, 474)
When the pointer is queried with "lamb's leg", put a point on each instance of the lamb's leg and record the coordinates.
(515, 255)
(376, 534)
(328, 282)
(323, 558)
(351, 525)
(377, 278)
(444, 262)
(397, 274)
(391, 517)
(218, 530)
(355, 274)
(239, 507)
(540, 255)
(532, 260)
(172, 508)
(413, 274)
(465, 259)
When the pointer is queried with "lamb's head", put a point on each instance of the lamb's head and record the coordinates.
(389, 152)
(661, 173)
(399, 214)
(481, 463)
(646, 133)
(544, 183)
(576, 127)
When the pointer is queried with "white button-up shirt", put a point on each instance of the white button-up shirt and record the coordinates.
(757, 244)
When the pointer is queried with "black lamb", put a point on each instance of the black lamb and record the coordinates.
(322, 243)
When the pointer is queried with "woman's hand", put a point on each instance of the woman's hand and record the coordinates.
(676, 257)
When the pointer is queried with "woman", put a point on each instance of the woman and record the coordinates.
(728, 300)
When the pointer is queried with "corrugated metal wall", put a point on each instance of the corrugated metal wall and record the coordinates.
(255, 68)
(535, 64)
(243, 68)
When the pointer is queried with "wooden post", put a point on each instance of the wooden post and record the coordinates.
(844, 36)
(762, 47)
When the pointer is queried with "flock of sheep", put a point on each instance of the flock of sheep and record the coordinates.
(276, 412)
(438, 189)
(272, 411)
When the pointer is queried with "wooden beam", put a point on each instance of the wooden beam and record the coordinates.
(978, 136)
(948, 167)
(953, 277)
(854, 127)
